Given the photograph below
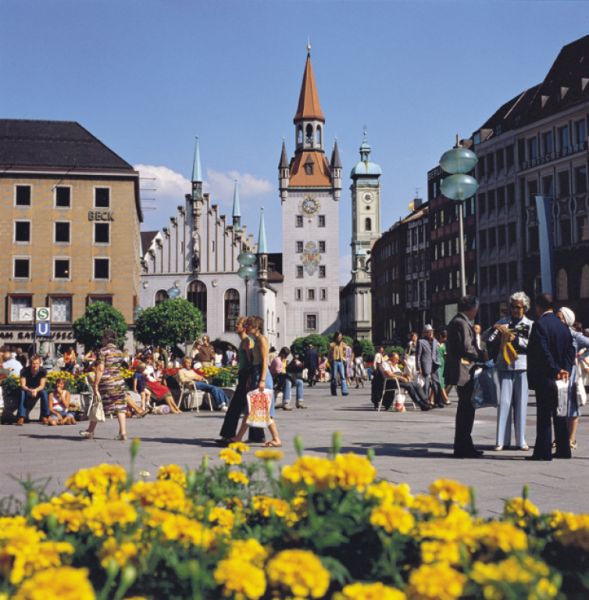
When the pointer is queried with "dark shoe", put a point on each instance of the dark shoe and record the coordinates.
(440, 405)
(20, 421)
(537, 458)
(301, 406)
(345, 394)
(425, 407)
(474, 453)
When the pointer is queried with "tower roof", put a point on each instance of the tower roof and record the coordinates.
(196, 167)
(309, 107)
(262, 244)
(336, 161)
(236, 207)
(365, 168)
(283, 157)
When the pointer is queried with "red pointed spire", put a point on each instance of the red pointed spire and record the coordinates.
(309, 107)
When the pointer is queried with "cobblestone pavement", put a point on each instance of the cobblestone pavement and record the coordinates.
(414, 447)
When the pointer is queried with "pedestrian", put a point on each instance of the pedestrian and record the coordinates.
(551, 358)
(576, 387)
(108, 385)
(427, 361)
(261, 377)
(337, 358)
(32, 387)
(311, 364)
(294, 377)
(444, 390)
(508, 341)
(278, 372)
(462, 353)
(409, 357)
(359, 369)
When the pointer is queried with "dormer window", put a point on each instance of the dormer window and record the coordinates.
(309, 166)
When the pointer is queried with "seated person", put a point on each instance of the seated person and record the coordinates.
(32, 386)
(132, 407)
(188, 375)
(59, 404)
(140, 385)
(70, 360)
(11, 364)
(294, 376)
(160, 391)
(390, 370)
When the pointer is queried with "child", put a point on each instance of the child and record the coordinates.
(140, 385)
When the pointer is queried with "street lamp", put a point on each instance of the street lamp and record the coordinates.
(459, 187)
(247, 271)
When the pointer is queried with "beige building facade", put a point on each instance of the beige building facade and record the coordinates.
(69, 231)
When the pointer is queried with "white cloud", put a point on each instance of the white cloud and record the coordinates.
(167, 183)
(220, 185)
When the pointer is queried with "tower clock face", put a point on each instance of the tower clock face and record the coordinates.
(310, 205)
(368, 198)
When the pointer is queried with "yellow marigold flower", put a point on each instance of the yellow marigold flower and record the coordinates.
(310, 471)
(223, 518)
(269, 454)
(435, 582)
(435, 551)
(161, 494)
(172, 472)
(101, 518)
(239, 447)
(299, 573)
(178, 528)
(448, 490)
(98, 479)
(67, 509)
(520, 510)
(249, 550)
(352, 471)
(390, 493)
(121, 553)
(392, 518)
(240, 579)
(238, 477)
(455, 526)
(230, 457)
(369, 591)
(500, 535)
(428, 505)
(267, 506)
(64, 583)
(571, 529)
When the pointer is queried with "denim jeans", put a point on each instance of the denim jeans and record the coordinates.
(218, 394)
(338, 366)
(22, 406)
(299, 387)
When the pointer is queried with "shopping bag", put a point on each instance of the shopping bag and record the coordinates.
(96, 412)
(399, 401)
(258, 405)
(486, 387)
(562, 389)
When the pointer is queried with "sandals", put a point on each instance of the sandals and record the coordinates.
(273, 444)
(121, 437)
(86, 435)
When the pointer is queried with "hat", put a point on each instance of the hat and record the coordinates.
(427, 328)
(569, 316)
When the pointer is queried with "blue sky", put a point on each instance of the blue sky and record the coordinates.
(146, 76)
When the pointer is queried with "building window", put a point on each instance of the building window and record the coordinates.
(101, 268)
(500, 159)
(484, 278)
(299, 247)
(501, 237)
(299, 272)
(322, 271)
(368, 224)
(321, 246)
(513, 273)
(231, 309)
(311, 294)
(564, 188)
(509, 156)
(565, 232)
(102, 233)
(22, 268)
(102, 197)
(23, 195)
(490, 163)
(580, 179)
(563, 138)
(548, 142)
(197, 295)
(299, 220)
(323, 294)
(580, 131)
(161, 296)
(298, 294)
(532, 148)
(482, 203)
(22, 232)
(62, 232)
(582, 228)
(548, 186)
(562, 285)
(492, 233)
(310, 322)
(63, 196)
(491, 201)
(61, 268)
(512, 233)
(21, 308)
(321, 220)
(61, 309)
(100, 298)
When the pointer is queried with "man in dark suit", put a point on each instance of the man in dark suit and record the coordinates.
(551, 357)
(427, 362)
(311, 364)
(462, 352)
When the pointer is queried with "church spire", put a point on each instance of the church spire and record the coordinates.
(196, 167)
(262, 244)
(309, 107)
(236, 214)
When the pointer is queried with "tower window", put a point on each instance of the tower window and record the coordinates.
(318, 135)
(368, 224)
(321, 220)
(299, 272)
(299, 246)
(309, 134)
(299, 220)
(322, 271)
(321, 246)
(300, 135)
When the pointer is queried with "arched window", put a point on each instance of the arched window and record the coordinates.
(231, 309)
(160, 296)
(318, 135)
(309, 134)
(197, 295)
(300, 135)
(562, 285)
(584, 282)
(368, 224)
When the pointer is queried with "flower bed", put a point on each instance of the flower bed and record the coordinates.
(319, 528)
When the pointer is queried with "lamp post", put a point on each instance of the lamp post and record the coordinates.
(247, 270)
(459, 186)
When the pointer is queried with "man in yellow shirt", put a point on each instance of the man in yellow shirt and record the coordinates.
(337, 361)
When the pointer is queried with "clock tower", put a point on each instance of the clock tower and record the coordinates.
(310, 188)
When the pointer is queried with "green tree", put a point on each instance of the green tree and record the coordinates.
(367, 347)
(169, 323)
(321, 343)
(98, 317)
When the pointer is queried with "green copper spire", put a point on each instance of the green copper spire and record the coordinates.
(196, 168)
(236, 207)
(262, 244)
